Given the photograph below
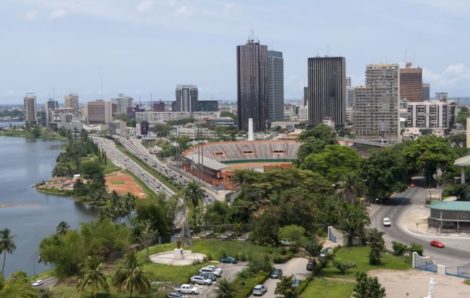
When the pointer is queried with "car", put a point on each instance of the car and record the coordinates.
(38, 283)
(188, 289)
(325, 252)
(210, 276)
(174, 295)
(311, 265)
(212, 269)
(387, 222)
(229, 260)
(276, 274)
(201, 280)
(259, 290)
(437, 243)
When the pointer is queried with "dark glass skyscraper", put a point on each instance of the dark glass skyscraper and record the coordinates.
(275, 86)
(252, 89)
(326, 90)
(186, 98)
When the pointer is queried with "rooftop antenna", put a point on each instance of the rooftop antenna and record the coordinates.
(251, 38)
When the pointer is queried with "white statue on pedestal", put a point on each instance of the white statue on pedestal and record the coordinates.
(432, 283)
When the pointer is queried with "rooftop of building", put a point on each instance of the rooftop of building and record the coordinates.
(451, 206)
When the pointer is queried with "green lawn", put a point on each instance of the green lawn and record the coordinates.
(110, 167)
(328, 289)
(174, 274)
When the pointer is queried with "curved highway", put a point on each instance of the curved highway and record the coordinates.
(457, 250)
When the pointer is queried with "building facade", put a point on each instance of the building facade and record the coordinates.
(207, 106)
(186, 98)
(52, 104)
(411, 83)
(158, 106)
(30, 108)
(71, 102)
(431, 114)
(99, 112)
(122, 103)
(327, 90)
(376, 105)
(426, 93)
(252, 87)
(158, 117)
(275, 86)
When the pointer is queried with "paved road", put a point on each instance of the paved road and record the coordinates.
(230, 271)
(295, 266)
(457, 251)
(48, 282)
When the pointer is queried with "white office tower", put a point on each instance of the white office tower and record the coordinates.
(251, 134)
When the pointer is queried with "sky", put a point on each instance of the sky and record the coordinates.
(144, 48)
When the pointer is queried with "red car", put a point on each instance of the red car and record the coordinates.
(437, 243)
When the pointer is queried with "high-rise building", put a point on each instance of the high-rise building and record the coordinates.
(99, 112)
(186, 98)
(122, 103)
(426, 93)
(252, 86)
(71, 102)
(305, 96)
(431, 114)
(158, 106)
(52, 104)
(30, 108)
(376, 106)
(327, 90)
(275, 86)
(207, 105)
(411, 83)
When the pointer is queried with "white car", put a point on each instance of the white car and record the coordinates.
(387, 222)
(201, 280)
(188, 289)
(259, 290)
(212, 269)
(38, 283)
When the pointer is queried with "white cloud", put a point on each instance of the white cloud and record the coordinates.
(144, 6)
(457, 6)
(454, 76)
(58, 13)
(30, 15)
(183, 11)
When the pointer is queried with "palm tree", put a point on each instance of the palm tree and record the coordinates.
(353, 220)
(131, 277)
(147, 234)
(92, 276)
(349, 188)
(225, 289)
(193, 197)
(62, 228)
(7, 245)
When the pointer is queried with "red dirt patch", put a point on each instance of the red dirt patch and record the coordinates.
(123, 183)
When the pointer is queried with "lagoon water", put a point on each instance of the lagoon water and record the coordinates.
(31, 215)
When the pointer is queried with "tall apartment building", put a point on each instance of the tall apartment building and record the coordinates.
(52, 104)
(305, 96)
(275, 86)
(411, 83)
(327, 90)
(426, 93)
(252, 86)
(376, 106)
(431, 114)
(186, 98)
(122, 103)
(99, 112)
(71, 102)
(30, 108)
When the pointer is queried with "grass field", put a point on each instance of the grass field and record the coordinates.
(321, 287)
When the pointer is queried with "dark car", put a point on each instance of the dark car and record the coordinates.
(276, 274)
(311, 265)
(208, 275)
(229, 260)
(174, 295)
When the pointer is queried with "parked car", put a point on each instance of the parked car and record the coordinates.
(209, 276)
(437, 243)
(175, 295)
(212, 269)
(276, 274)
(229, 260)
(201, 280)
(387, 222)
(38, 283)
(188, 289)
(259, 290)
(310, 265)
(326, 251)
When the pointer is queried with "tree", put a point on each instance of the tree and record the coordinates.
(161, 129)
(217, 213)
(92, 276)
(294, 234)
(285, 288)
(314, 141)
(193, 197)
(377, 246)
(225, 289)
(384, 172)
(415, 247)
(7, 245)
(147, 235)
(62, 228)
(18, 286)
(130, 277)
(344, 267)
(349, 188)
(367, 287)
(320, 131)
(353, 219)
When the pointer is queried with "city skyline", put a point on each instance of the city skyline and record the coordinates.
(78, 45)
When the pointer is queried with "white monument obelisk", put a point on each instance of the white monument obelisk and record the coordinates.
(251, 134)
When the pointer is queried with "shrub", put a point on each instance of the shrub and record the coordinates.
(344, 267)
(418, 248)
(399, 249)
(257, 265)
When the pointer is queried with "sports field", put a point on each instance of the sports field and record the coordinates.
(123, 183)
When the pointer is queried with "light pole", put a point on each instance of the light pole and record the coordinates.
(376, 203)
